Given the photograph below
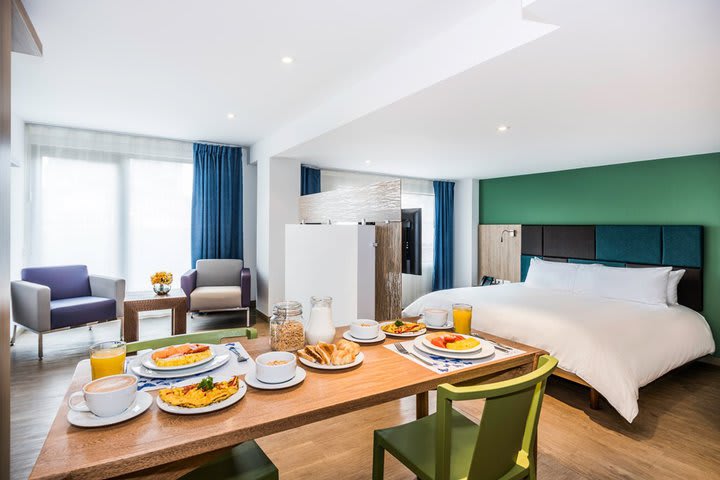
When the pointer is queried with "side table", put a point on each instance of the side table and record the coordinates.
(146, 301)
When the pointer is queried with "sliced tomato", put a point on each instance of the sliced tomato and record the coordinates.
(438, 342)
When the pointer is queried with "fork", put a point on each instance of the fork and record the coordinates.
(400, 348)
(240, 357)
(500, 347)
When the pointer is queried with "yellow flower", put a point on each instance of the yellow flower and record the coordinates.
(165, 278)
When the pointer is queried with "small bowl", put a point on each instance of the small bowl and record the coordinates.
(435, 317)
(364, 329)
(267, 371)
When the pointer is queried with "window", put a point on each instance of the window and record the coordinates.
(117, 203)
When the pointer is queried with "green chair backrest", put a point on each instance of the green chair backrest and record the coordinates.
(507, 427)
(212, 336)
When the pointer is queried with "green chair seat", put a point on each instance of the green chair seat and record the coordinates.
(247, 461)
(414, 444)
(212, 337)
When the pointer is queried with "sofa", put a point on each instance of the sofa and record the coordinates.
(47, 299)
(216, 285)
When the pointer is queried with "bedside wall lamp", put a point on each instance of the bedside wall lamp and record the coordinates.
(511, 233)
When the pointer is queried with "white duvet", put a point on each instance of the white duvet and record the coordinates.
(616, 346)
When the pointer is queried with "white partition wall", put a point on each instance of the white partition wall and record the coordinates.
(332, 260)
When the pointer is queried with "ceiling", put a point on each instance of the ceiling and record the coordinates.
(176, 68)
(617, 82)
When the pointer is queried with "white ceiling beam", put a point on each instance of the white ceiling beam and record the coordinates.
(25, 38)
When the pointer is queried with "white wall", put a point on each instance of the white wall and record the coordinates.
(250, 222)
(467, 217)
(278, 189)
(17, 197)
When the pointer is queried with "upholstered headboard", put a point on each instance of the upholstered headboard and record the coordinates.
(676, 246)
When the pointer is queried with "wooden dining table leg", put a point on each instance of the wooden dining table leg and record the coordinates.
(422, 405)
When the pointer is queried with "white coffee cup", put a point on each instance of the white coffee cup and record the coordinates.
(106, 396)
(364, 329)
(435, 317)
(275, 367)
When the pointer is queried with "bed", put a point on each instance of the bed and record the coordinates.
(615, 346)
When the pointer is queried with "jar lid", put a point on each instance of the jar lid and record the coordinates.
(289, 308)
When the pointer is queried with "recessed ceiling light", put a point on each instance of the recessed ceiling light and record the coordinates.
(287, 59)
(368, 162)
(503, 128)
(230, 116)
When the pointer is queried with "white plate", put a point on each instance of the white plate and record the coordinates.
(448, 325)
(379, 338)
(231, 400)
(358, 360)
(426, 342)
(402, 335)
(142, 402)
(148, 362)
(486, 351)
(220, 359)
(252, 380)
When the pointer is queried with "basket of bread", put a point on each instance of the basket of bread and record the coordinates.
(331, 356)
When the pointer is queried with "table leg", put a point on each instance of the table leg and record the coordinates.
(422, 405)
(179, 318)
(130, 325)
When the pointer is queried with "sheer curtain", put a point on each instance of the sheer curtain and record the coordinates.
(118, 203)
(416, 193)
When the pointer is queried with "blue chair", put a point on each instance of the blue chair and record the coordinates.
(48, 299)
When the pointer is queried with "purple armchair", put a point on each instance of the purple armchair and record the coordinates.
(217, 285)
(54, 298)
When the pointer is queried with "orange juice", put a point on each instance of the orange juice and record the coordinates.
(462, 316)
(107, 358)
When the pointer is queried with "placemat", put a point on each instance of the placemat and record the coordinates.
(445, 365)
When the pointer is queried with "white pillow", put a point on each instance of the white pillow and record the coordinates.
(642, 285)
(555, 275)
(673, 282)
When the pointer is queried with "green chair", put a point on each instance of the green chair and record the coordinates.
(500, 447)
(247, 461)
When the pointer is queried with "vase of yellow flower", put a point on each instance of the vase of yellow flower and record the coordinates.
(161, 282)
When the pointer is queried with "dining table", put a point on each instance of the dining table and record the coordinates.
(161, 445)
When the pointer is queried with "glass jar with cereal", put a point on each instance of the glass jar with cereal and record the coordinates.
(287, 333)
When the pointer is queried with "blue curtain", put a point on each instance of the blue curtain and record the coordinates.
(217, 202)
(309, 180)
(443, 250)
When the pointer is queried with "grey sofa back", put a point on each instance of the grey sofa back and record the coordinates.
(67, 281)
(218, 272)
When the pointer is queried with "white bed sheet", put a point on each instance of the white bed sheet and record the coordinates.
(616, 346)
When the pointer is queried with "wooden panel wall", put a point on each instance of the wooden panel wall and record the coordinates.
(499, 259)
(378, 202)
(388, 271)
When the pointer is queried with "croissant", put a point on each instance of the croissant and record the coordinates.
(351, 347)
(342, 357)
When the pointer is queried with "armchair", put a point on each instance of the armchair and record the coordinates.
(48, 299)
(217, 285)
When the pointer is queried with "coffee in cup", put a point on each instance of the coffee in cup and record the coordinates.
(106, 396)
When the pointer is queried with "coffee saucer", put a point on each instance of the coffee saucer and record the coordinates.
(377, 339)
(142, 402)
(252, 380)
(448, 325)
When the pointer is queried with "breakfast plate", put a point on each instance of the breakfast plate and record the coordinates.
(386, 325)
(179, 410)
(251, 379)
(379, 338)
(358, 360)
(149, 362)
(142, 402)
(451, 338)
(221, 358)
(487, 350)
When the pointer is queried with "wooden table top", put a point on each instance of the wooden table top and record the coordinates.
(157, 438)
(144, 296)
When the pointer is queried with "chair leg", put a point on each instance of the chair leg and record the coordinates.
(12, 339)
(40, 346)
(594, 399)
(247, 317)
(378, 468)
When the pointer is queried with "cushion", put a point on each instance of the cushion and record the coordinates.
(628, 243)
(672, 290)
(642, 285)
(215, 298)
(64, 282)
(555, 275)
(70, 312)
(682, 246)
(218, 272)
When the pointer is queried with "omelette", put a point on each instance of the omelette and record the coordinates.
(200, 394)
(179, 355)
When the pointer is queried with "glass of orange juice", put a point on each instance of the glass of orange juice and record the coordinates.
(462, 315)
(107, 358)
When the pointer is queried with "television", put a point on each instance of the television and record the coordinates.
(411, 241)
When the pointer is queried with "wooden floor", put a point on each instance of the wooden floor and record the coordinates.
(676, 435)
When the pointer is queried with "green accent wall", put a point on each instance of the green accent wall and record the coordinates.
(683, 190)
